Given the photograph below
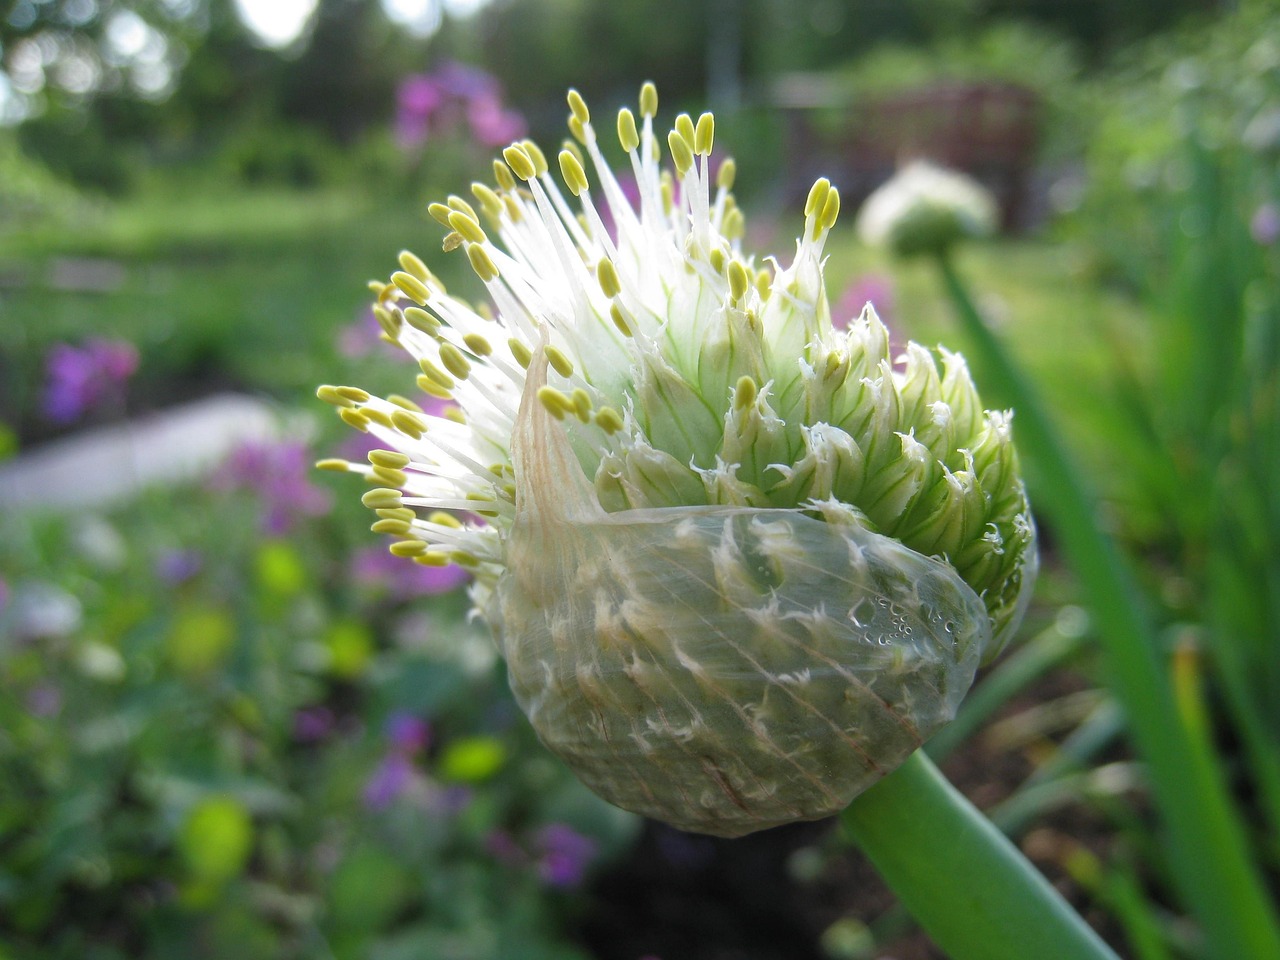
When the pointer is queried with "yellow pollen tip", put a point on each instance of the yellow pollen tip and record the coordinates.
(454, 361)
(396, 513)
(388, 477)
(727, 173)
(467, 227)
(395, 527)
(739, 283)
(681, 154)
(489, 201)
(433, 558)
(382, 498)
(628, 135)
(577, 129)
(581, 404)
(817, 196)
(684, 123)
(481, 262)
(478, 344)
(408, 548)
(536, 155)
(403, 403)
(648, 100)
(353, 393)
(432, 389)
(431, 371)
(608, 420)
(411, 287)
(391, 459)
(374, 415)
(334, 464)
(619, 320)
(419, 319)
(502, 175)
(439, 213)
(744, 394)
(408, 423)
(562, 364)
(329, 394)
(575, 178)
(716, 259)
(607, 275)
(579, 107)
(411, 263)
(354, 418)
(442, 519)
(830, 209)
(522, 354)
(457, 203)
(704, 135)
(520, 162)
(555, 402)
(735, 224)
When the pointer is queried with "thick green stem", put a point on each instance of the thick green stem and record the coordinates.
(1218, 879)
(961, 878)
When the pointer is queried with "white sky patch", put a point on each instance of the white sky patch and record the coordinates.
(420, 17)
(276, 23)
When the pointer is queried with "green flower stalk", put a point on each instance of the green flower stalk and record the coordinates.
(741, 563)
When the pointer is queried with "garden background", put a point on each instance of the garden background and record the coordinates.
(232, 725)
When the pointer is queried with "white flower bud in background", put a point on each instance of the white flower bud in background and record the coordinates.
(924, 208)
(740, 563)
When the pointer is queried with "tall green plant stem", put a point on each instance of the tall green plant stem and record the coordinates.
(960, 877)
(1220, 883)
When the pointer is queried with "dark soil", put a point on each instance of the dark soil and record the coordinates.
(773, 895)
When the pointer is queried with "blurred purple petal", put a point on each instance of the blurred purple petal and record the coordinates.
(565, 855)
(312, 724)
(407, 733)
(390, 779)
(1265, 225)
(874, 288)
(178, 566)
(280, 473)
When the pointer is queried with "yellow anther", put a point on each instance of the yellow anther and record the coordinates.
(668, 191)
(333, 463)
(411, 263)
(478, 344)
(454, 413)
(734, 225)
(727, 173)
(520, 162)
(562, 364)
(403, 403)
(377, 416)
(454, 361)
(388, 321)
(354, 418)
(607, 274)
(419, 319)
(716, 259)
(442, 519)
(397, 528)
(648, 100)
(432, 558)
(681, 154)
(575, 178)
(536, 155)
(628, 135)
(452, 241)
(522, 354)
(467, 228)
(502, 175)
(764, 284)
(830, 209)
(581, 404)
(382, 498)
(817, 196)
(739, 282)
(704, 135)
(388, 477)
(433, 389)
(408, 548)
(408, 423)
(608, 420)
(439, 213)
(396, 513)
(684, 123)
(330, 394)
(484, 310)
(353, 393)
(376, 287)
(744, 394)
(489, 201)
(391, 459)
(411, 287)
(619, 319)
(579, 107)
(457, 203)
(464, 559)
(577, 129)
(512, 208)
(481, 262)
(435, 373)
(555, 402)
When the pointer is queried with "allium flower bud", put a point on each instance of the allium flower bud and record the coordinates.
(740, 563)
(925, 209)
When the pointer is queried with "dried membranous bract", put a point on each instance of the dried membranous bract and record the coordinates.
(740, 563)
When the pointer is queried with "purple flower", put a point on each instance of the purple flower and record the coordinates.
(176, 567)
(389, 780)
(502, 846)
(407, 734)
(280, 473)
(492, 125)
(44, 700)
(874, 288)
(1265, 225)
(565, 855)
(430, 103)
(79, 379)
(312, 724)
